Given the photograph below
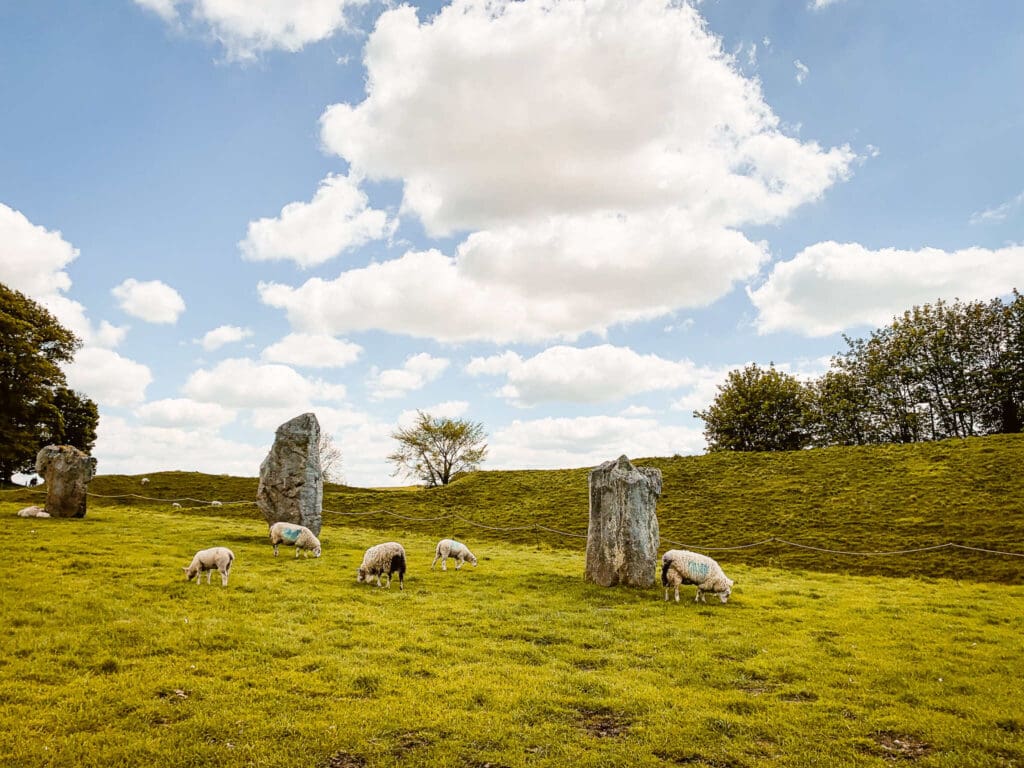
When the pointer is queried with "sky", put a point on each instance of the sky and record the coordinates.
(565, 219)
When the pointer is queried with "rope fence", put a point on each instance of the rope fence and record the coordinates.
(535, 527)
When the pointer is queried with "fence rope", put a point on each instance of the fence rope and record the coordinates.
(539, 527)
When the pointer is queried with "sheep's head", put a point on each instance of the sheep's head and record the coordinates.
(724, 594)
(362, 575)
(189, 573)
(472, 559)
(316, 551)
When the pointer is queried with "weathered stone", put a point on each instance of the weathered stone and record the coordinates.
(67, 472)
(622, 538)
(291, 488)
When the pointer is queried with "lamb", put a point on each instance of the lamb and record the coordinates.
(215, 558)
(387, 559)
(33, 511)
(293, 533)
(454, 549)
(678, 566)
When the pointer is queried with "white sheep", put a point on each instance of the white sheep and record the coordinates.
(144, 480)
(215, 558)
(454, 549)
(381, 559)
(298, 535)
(33, 511)
(215, 504)
(678, 566)
(176, 505)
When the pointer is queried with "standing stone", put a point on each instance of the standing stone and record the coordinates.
(291, 486)
(622, 538)
(67, 472)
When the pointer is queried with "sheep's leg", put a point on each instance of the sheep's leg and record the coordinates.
(209, 575)
(296, 553)
(224, 578)
(666, 594)
(378, 581)
(444, 563)
(436, 555)
(460, 564)
(677, 593)
(275, 548)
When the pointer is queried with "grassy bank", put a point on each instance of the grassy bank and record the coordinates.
(111, 659)
(871, 499)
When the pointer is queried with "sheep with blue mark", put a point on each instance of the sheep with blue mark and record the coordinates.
(210, 560)
(387, 558)
(299, 536)
(679, 566)
(454, 549)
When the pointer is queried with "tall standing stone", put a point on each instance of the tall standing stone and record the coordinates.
(291, 488)
(622, 538)
(67, 472)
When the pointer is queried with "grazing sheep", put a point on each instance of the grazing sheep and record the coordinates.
(454, 549)
(387, 559)
(144, 480)
(215, 504)
(293, 533)
(679, 566)
(176, 504)
(33, 511)
(215, 558)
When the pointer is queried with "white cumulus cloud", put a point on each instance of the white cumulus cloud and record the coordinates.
(591, 375)
(312, 351)
(221, 335)
(247, 28)
(336, 219)
(829, 287)
(184, 413)
(150, 300)
(108, 378)
(244, 383)
(417, 371)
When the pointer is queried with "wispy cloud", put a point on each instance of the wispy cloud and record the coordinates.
(999, 212)
(802, 71)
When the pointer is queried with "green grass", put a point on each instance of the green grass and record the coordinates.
(876, 498)
(111, 659)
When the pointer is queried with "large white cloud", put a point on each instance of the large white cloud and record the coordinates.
(108, 378)
(572, 107)
(184, 413)
(417, 371)
(151, 300)
(247, 28)
(558, 443)
(592, 375)
(336, 219)
(312, 351)
(829, 287)
(33, 261)
(601, 155)
(244, 383)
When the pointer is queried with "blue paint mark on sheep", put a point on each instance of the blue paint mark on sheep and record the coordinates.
(290, 534)
(697, 570)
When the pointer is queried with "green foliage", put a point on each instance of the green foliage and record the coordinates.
(758, 410)
(111, 658)
(36, 408)
(436, 450)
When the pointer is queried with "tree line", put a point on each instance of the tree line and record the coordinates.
(937, 371)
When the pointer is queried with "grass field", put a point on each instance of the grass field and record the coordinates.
(111, 659)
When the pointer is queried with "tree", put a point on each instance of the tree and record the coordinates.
(839, 414)
(36, 407)
(436, 450)
(330, 459)
(758, 410)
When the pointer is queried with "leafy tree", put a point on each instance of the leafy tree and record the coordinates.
(758, 410)
(435, 450)
(839, 414)
(330, 459)
(36, 407)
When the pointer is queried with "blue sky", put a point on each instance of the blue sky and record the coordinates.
(566, 219)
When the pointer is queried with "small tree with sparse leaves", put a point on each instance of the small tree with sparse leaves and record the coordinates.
(435, 450)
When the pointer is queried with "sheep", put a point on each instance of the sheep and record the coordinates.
(293, 533)
(215, 504)
(387, 559)
(454, 549)
(679, 566)
(33, 511)
(176, 505)
(219, 558)
(144, 480)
